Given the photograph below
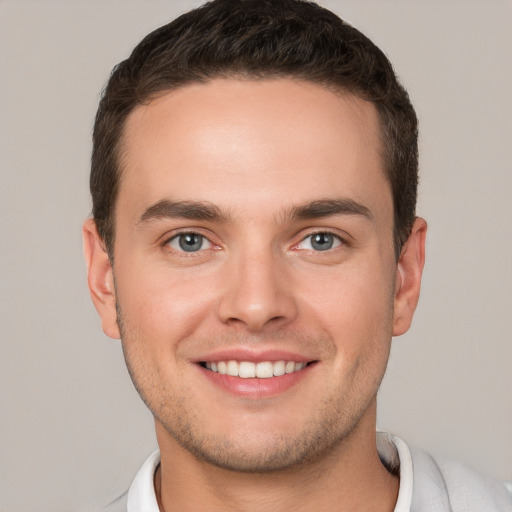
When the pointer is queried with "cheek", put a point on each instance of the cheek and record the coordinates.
(351, 300)
(355, 310)
(158, 302)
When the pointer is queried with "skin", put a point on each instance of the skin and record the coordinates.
(256, 153)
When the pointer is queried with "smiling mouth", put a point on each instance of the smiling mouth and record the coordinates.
(250, 370)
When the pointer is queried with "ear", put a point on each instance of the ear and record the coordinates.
(100, 278)
(408, 277)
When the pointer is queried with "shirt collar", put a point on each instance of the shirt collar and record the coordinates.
(141, 496)
(393, 452)
(396, 456)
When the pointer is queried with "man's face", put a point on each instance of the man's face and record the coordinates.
(254, 236)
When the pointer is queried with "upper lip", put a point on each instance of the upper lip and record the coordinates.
(254, 356)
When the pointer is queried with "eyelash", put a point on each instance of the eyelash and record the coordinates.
(340, 241)
(183, 252)
(337, 242)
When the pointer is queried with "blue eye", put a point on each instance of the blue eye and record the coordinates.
(322, 241)
(189, 242)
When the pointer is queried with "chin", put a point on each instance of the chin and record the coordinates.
(262, 450)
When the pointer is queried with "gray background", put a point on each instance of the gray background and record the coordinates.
(72, 429)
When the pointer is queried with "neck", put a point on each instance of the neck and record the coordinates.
(350, 477)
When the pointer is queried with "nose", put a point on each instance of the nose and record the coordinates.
(257, 292)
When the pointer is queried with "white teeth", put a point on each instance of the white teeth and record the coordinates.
(279, 368)
(232, 369)
(264, 370)
(249, 370)
(246, 370)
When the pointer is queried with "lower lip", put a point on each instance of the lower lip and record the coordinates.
(257, 388)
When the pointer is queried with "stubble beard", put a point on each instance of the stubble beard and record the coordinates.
(284, 451)
(333, 422)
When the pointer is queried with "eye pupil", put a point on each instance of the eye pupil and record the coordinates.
(322, 241)
(190, 242)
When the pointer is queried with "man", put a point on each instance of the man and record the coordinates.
(254, 245)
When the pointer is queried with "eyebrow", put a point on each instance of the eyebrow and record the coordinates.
(193, 210)
(203, 210)
(327, 208)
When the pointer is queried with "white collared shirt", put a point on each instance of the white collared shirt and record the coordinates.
(426, 484)
(392, 450)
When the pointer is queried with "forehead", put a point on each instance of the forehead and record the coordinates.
(286, 141)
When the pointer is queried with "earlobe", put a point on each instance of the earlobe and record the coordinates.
(408, 277)
(100, 278)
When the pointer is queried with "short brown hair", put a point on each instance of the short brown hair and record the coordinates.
(257, 39)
